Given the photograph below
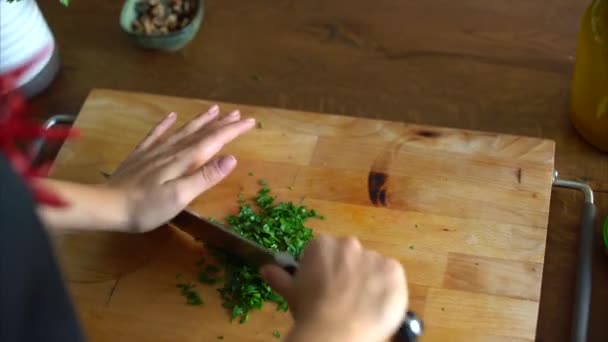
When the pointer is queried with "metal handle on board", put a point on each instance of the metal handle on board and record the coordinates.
(38, 146)
(582, 299)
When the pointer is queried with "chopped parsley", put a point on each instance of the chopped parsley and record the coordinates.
(212, 220)
(208, 274)
(192, 297)
(275, 226)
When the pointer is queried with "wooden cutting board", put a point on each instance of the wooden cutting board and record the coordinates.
(465, 212)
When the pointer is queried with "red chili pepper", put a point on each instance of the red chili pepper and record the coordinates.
(16, 129)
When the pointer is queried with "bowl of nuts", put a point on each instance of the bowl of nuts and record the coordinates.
(162, 24)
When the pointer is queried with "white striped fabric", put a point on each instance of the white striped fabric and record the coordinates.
(24, 33)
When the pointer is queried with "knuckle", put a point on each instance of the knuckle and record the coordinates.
(322, 242)
(207, 148)
(351, 243)
(324, 239)
(372, 256)
(395, 270)
(393, 266)
(179, 195)
(210, 173)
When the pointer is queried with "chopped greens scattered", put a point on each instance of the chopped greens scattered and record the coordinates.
(212, 269)
(220, 337)
(207, 279)
(276, 334)
(200, 261)
(251, 174)
(411, 247)
(259, 125)
(184, 288)
(192, 297)
(208, 274)
(212, 220)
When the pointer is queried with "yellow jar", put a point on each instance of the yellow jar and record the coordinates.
(589, 102)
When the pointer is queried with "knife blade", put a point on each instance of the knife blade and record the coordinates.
(215, 235)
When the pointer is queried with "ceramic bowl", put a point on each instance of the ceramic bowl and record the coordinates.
(168, 42)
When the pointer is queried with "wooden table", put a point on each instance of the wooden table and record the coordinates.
(484, 65)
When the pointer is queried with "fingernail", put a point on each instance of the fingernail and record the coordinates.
(227, 163)
(234, 113)
(171, 115)
(250, 120)
(214, 109)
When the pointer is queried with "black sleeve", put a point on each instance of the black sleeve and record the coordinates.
(34, 304)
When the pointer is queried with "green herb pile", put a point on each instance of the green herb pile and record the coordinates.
(276, 226)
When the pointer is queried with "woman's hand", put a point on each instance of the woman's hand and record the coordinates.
(342, 292)
(165, 173)
(162, 175)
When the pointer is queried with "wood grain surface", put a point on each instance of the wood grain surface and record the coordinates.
(465, 212)
(495, 66)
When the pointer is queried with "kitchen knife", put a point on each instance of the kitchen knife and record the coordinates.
(255, 255)
(215, 235)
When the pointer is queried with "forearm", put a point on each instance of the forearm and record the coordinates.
(89, 207)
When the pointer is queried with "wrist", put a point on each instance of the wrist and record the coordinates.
(114, 212)
(88, 207)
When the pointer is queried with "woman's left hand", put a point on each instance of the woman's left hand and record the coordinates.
(166, 172)
(160, 177)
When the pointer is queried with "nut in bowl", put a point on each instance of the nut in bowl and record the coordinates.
(161, 24)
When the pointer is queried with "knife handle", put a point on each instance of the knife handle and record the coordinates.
(291, 269)
(410, 329)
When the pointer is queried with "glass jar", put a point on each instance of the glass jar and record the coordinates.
(589, 98)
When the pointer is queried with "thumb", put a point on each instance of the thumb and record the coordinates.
(278, 279)
(190, 186)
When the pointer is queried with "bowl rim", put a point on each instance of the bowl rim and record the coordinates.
(127, 30)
